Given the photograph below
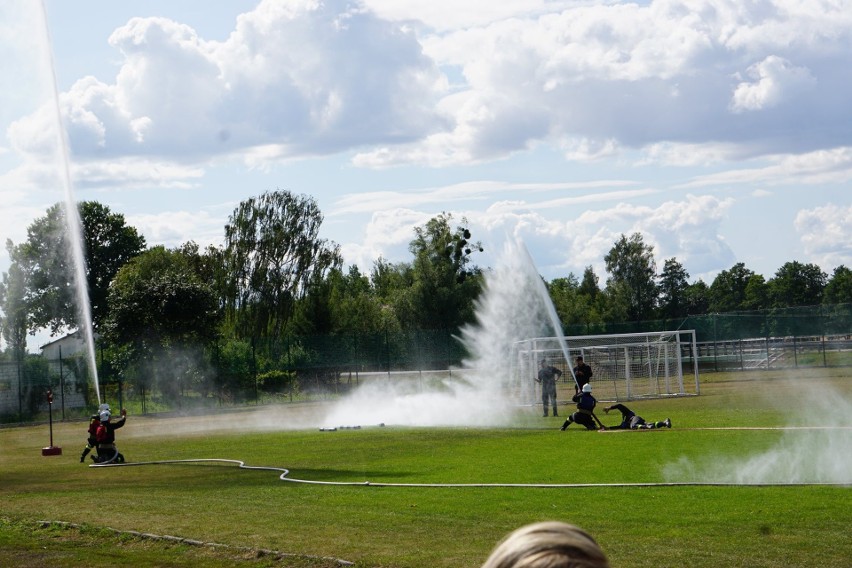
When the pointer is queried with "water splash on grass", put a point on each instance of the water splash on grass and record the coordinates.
(485, 391)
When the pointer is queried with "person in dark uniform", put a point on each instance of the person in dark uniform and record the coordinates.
(582, 373)
(107, 452)
(632, 421)
(547, 376)
(92, 441)
(585, 414)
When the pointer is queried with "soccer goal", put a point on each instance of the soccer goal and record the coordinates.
(624, 366)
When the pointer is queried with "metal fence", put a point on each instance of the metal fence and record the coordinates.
(775, 353)
(802, 321)
(312, 367)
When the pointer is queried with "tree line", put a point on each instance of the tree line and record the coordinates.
(636, 291)
(213, 313)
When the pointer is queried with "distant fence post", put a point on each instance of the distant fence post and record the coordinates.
(742, 358)
(715, 346)
(61, 383)
(766, 344)
(822, 318)
(795, 353)
(20, 388)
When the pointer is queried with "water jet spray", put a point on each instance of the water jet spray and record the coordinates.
(73, 222)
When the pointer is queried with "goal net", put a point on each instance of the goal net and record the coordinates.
(624, 366)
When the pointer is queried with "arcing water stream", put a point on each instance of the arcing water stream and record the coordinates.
(72, 218)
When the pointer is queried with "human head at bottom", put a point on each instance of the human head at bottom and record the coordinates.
(550, 544)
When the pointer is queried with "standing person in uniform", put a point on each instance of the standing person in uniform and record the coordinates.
(585, 414)
(632, 421)
(583, 374)
(547, 376)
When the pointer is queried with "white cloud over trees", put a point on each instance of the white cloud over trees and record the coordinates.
(751, 94)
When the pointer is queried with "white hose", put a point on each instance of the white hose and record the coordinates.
(285, 472)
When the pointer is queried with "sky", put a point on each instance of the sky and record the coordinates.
(721, 130)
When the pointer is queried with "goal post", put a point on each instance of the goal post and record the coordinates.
(624, 366)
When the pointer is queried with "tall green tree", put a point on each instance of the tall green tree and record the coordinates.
(272, 254)
(48, 270)
(614, 303)
(797, 284)
(389, 279)
(14, 317)
(109, 244)
(566, 298)
(756, 293)
(838, 289)
(589, 284)
(728, 290)
(161, 320)
(673, 283)
(390, 283)
(158, 299)
(697, 298)
(445, 283)
(632, 270)
(355, 306)
(344, 302)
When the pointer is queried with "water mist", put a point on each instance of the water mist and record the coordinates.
(486, 390)
(814, 447)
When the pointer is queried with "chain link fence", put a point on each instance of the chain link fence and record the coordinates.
(308, 368)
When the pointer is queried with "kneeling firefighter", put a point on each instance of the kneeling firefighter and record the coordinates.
(107, 452)
(585, 414)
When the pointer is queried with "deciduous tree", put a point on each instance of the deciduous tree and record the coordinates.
(697, 298)
(444, 281)
(48, 270)
(728, 290)
(673, 283)
(14, 317)
(589, 284)
(797, 284)
(157, 299)
(272, 254)
(838, 289)
(632, 270)
(160, 312)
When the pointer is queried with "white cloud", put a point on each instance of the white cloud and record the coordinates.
(775, 80)
(686, 154)
(386, 236)
(310, 77)
(443, 83)
(599, 79)
(444, 15)
(583, 150)
(175, 228)
(393, 83)
(826, 233)
(688, 229)
(482, 190)
(821, 167)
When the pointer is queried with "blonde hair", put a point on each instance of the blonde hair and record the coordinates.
(550, 544)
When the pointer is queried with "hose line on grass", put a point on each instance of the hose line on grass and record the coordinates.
(285, 473)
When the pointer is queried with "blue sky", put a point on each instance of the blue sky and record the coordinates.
(721, 130)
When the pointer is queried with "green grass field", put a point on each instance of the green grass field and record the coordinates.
(253, 511)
